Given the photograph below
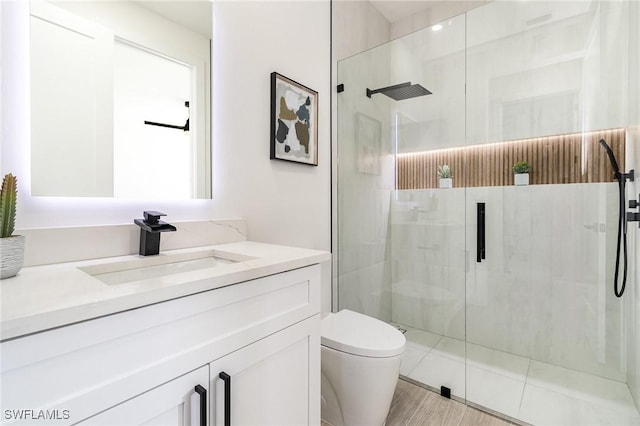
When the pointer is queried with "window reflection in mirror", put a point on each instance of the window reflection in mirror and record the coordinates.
(99, 71)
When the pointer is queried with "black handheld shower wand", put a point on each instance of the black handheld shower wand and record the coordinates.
(622, 221)
(612, 157)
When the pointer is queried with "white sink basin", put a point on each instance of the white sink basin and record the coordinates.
(143, 268)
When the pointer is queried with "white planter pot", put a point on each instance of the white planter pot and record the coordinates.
(521, 179)
(11, 256)
(445, 183)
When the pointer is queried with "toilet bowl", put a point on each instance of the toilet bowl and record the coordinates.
(360, 364)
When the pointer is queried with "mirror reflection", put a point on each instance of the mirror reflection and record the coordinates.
(120, 99)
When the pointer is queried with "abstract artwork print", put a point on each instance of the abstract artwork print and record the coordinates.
(294, 121)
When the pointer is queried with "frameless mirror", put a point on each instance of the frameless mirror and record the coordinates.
(120, 99)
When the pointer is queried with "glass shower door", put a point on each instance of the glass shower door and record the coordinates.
(504, 291)
(401, 229)
(427, 209)
(545, 337)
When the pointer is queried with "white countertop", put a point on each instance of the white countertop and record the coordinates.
(49, 296)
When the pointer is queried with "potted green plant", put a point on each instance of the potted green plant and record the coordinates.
(444, 176)
(11, 246)
(521, 173)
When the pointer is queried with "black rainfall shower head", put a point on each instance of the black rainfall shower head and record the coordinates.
(401, 91)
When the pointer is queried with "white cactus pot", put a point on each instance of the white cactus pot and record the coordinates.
(11, 255)
(446, 182)
(521, 178)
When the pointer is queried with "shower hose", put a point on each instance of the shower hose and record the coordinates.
(622, 238)
(622, 221)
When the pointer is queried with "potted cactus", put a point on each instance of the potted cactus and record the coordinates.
(11, 246)
(444, 176)
(521, 173)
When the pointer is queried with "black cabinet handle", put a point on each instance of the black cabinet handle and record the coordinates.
(227, 397)
(480, 237)
(202, 392)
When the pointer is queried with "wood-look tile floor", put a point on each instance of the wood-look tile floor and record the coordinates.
(414, 405)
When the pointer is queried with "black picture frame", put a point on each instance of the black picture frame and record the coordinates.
(294, 121)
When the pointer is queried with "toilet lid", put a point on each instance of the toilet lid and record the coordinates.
(354, 333)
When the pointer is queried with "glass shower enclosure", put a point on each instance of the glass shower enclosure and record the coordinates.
(504, 290)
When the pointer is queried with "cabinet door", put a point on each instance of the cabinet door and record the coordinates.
(274, 381)
(174, 403)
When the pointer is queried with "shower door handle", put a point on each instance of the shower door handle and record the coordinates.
(480, 237)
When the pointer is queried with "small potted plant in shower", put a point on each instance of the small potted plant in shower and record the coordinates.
(11, 246)
(444, 176)
(521, 173)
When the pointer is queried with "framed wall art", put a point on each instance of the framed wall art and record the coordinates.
(368, 134)
(294, 121)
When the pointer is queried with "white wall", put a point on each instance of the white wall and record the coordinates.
(283, 203)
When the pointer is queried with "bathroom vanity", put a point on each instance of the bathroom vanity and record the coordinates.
(234, 340)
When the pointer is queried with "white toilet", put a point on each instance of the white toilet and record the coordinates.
(360, 366)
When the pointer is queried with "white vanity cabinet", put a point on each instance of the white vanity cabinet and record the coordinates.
(142, 366)
(178, 403)
(268, 383)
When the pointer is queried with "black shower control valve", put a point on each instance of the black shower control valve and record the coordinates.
(633, 217)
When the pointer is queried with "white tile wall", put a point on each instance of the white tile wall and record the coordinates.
(435, 60)
(429, 256)
(527, 79)
(632, 292)
(632, 296)
(66, 244)
(544, 290)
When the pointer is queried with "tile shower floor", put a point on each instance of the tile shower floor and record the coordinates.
(518, 387)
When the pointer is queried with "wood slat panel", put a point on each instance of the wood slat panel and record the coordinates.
(571, 158)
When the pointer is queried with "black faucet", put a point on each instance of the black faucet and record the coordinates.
(150, 228)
